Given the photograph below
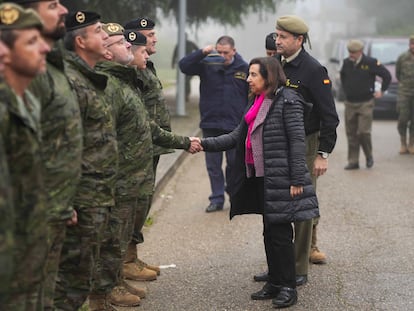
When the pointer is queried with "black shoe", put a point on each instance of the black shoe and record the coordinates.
(269, 291)
(287, 297)
(370, 162)
(352, 166)
(214, 207)
(261, 277)
(301, 279)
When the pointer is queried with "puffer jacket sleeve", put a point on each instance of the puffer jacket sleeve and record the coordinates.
(295, 132)
(223, 142)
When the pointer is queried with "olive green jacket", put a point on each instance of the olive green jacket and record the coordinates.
(100, 148)
(154, 101)
(61, 134)
(136, 133)
(20, 132)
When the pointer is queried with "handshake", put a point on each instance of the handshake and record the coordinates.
(195, 145)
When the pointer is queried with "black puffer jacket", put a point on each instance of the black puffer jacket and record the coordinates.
(284, 164)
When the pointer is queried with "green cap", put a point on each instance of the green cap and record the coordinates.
(13, 16)
(355, 45)
(113, 29)
(293, 24)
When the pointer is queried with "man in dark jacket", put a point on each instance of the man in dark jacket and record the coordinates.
(307, 76)
(358, 75)
(223, 98)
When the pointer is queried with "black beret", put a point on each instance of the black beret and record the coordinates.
(80, 19)
(270, 41)
(141, 23)
(13, 16)
(135, 37)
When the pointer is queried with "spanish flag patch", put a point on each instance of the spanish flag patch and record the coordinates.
(326, 81)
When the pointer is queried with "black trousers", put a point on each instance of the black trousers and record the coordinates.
(279, 247)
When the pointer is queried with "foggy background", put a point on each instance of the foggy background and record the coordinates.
(327, 20)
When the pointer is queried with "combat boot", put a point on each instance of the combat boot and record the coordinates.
(120, 296)
(98, 302)
(316, 256)
(135, 272)
(148, 266)
(403, 148)
(134, 289)
(411, 145)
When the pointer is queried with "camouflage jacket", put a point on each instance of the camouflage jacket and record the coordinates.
(135, 131)
(404, 71)
(20, 131)
(6, 210)
(154, 101)
(61, 135)
(100, 149)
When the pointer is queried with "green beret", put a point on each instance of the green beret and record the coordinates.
(13, 16)
(80, 19)
(355, 45)
(135, 37)
(113, 29)
(141, 23)
(293, 24)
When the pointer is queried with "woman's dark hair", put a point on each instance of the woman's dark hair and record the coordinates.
(271, 71)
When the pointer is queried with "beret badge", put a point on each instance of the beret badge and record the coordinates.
(80, 17)
(9, 15)
(144, 23)
(132, 36)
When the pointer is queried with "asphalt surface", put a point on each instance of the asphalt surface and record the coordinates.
(366, 230)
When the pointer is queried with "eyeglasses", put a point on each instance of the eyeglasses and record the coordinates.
(121, 41)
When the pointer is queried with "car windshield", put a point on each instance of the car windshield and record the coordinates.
(387, 52)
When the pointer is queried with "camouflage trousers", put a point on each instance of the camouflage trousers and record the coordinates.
(57, 233)
(126, 211)
(142, 210)
(405, 115)
(30, 260)
(80, 253)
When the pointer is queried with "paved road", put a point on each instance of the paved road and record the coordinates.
(367, 230)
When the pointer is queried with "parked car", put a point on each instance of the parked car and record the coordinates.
(386, 50)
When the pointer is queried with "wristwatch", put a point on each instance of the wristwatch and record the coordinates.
(323, 154)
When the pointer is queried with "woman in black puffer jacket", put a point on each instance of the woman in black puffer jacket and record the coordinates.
(271, 177)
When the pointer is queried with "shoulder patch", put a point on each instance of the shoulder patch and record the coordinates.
(240, 75)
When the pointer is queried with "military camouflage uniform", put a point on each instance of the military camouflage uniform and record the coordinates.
(405, 74)
(20, 130)
(6, 211)
(94, 198)
(149, 88)
(61, 150)
(135, 134)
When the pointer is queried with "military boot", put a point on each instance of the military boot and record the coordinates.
(134, 289)
(98, 302)
(133, 271)
(403, 148)
(120, 296)
(148, 266)
(411, 145)
(316, 256)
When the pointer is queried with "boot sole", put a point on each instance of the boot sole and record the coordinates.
(125, 305)
(140, 279)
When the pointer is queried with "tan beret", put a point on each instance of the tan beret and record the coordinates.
(293, 24)
(355, 45)
(412, 38)
(113, 29)
(13, 16)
